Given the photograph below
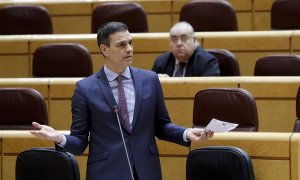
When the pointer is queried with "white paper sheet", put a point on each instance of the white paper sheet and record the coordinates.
(216, 125)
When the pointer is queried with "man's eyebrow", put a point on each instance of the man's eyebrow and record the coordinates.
(124, 41)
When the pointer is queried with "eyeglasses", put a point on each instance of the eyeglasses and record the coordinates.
(183, 38)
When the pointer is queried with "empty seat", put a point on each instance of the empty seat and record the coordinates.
(278, 65)
(132, 14)
(20, 107)
(46, 164)
(25, 19)
(219, 162)
(297, 122)
(233, 105)
(228, 64)
(209, 15)
(62, 60)
(285, 15)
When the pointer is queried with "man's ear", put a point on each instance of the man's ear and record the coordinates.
(103, 49)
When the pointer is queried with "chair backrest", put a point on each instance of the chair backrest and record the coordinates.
(228, 64)
(132, 14)
(62, 60)
(285, 15)
(297, 122)
(278, 65)
(209, 15)
(46, 164)
(219, 162)
(25, 19)
(233, 105)
(19, 107)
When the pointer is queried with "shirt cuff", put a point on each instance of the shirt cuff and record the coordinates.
(185, 138)
(63, 142)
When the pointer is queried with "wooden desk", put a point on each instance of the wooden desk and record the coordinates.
(275, 97)
(274, 155)
(16, 52)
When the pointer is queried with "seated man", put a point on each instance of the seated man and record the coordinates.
(186, 58)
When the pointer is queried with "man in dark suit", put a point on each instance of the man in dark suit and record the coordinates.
(136, 96)
(186, 58)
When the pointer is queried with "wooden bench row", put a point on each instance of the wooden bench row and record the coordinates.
(16, 51)
(274, 155)
(75, 16)
(275, 97)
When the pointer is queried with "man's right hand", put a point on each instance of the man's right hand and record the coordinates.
(46, 132)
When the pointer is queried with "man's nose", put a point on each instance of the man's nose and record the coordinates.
(129, 47)
(179, 42)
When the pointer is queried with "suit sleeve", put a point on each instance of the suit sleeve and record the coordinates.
(164, 128)
(77, 141)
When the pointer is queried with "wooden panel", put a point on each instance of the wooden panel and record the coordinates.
(16, 145)
(295, 156)
(82, 165)
(61, 91)
(8, 171)
(40, 84)
(17, 44)
(238, 5)
(181, 111)
(295, 41)
(265, 5)
(171, 149)
(271, 87)
(72, 24)
(247, 60)
(188, 87)
(60, 116)
(248, 41)
(262, 21)
(258, 145)
(144, 60)
(150, 7)
(87, 40)
(62, 87)
(152, 43)
(276, 115)
(173, 168)
(66, 8)
(244, 20)
(159, 22)
(271, 169)
(14, 66)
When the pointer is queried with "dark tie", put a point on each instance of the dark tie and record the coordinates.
(179, 72)
(123, 102)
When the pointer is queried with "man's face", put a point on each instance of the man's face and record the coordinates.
(182, 43)
(119, 55)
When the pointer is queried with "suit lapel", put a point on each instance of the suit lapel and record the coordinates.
(106, 89)
(138, 94)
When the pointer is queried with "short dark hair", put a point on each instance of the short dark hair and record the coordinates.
(107, 29)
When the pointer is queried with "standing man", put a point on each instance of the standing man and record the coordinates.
(136, 96)
(186, 58)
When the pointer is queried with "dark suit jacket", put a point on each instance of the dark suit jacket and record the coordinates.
(92, 110)
(201, 63)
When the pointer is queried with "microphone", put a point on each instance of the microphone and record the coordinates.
(116, 110)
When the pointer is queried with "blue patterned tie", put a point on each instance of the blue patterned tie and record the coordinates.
(123, 102)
